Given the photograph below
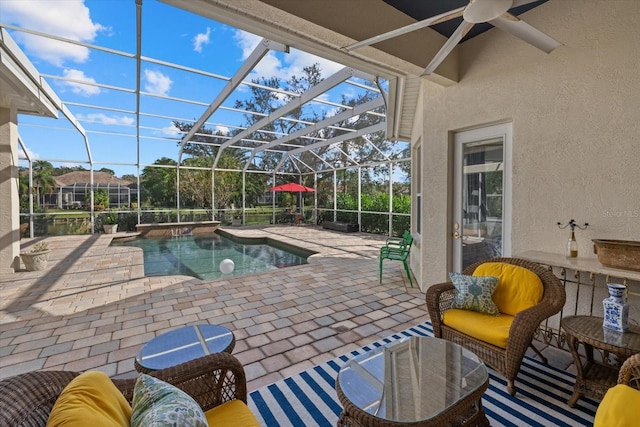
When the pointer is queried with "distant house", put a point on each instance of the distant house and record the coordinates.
(73, 189)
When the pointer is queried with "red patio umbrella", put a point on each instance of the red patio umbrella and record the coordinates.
(292, 187)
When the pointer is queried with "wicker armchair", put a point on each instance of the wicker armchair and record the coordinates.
(27, 399)
(619, 406)
(630, 372)
(507, 360)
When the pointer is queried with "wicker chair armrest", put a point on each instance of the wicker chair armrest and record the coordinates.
(27, 399)
(439, 298)
(211, 380)
(630, 372)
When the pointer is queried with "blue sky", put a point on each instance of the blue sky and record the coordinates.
(169, 34)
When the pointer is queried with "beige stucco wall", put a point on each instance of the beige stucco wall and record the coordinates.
(576, 128)
(9, 200)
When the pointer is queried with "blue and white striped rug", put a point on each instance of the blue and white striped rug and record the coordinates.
(309, 398)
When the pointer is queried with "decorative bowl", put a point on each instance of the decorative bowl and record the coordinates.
(623, 254)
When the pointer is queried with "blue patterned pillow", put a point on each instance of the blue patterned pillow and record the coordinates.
(474, 293)
(159, 404)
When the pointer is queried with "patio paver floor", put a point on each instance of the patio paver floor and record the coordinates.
(93, 308)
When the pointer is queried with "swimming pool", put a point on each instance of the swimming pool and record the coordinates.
(200, 256)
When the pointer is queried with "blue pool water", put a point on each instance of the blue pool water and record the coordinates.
(201, 256)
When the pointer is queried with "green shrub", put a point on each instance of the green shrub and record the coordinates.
(100, 199)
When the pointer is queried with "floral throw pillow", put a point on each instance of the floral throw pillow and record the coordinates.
(474, 293)
(159, 404)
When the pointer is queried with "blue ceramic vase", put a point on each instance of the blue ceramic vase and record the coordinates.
(616, 310)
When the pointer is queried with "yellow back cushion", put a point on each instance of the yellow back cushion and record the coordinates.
(618, 407)
(90, 399)
(518, 288)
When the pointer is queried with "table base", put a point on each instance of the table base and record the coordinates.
(466, 412)
(594, 376)
(595, 382)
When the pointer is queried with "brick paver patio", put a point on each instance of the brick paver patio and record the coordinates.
(94, 309)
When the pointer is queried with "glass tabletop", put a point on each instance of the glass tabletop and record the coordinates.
(415, 379)
(590, 328)
(183, 344)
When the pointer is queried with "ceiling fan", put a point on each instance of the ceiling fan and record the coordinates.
(494, 12)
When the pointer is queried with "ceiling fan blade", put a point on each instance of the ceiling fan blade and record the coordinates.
(517, 3)
(408, 28)
(453, 41)
(517, 27)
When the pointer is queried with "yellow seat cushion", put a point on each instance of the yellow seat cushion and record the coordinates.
(233, 413)
(485, 327)
(619, 408)
(518, 288)
(90, 399)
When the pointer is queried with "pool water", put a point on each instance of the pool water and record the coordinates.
(201, 256)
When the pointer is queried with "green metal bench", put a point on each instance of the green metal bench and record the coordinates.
(397, 249)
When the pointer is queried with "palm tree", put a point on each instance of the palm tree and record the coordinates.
(23, 188)
(43, 178)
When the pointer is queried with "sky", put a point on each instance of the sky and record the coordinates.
(170, 35)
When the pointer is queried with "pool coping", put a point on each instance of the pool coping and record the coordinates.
(169, 229)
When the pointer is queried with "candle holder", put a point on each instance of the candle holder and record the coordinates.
(572, 244)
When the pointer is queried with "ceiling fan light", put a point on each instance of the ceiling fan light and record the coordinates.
(485, 10)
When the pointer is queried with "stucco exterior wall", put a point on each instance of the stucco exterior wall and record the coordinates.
(9, 200)
(576, 128)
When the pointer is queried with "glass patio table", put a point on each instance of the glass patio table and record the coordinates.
(182, 345)
(421, 381)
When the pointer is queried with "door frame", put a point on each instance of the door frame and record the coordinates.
(501, 130)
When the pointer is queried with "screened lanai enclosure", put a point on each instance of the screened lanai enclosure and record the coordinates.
(187, 139)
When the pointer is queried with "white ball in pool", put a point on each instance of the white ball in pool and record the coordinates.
(227, 266)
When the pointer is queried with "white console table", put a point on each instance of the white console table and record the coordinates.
(588, 265)
(585, 281)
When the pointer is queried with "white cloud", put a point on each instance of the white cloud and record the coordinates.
(323, 97)
(246, 41)
(106, 120)
(282, 97)
(65, 18)
(222, 129)
(32, 155)
(73, 165)
(349, 92)
(78, 88)
(332, 111)
(201, 39)
(270, 66)
(156, 82)
(294, 62)
(171, 130)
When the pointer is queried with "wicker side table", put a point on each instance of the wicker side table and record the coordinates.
(594, 378)
(419, 381)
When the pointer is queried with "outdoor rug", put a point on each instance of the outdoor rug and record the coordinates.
(309, 398)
